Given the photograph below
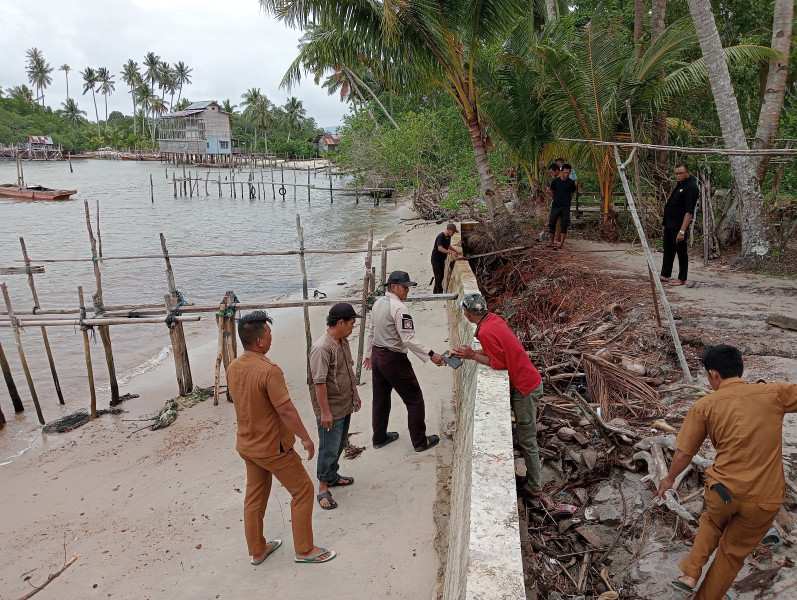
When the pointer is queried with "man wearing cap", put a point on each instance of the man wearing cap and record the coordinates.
(442, 248)
(333, 393)
(502, 350)
(391, 334)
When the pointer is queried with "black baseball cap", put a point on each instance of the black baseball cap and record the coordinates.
(400, 277)
(452, 227)
(343, 310)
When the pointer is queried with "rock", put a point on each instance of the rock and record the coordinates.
(566, 434)
(633, 367)
(604, 494)
(589, 534)
(590, 458)
(609, 514)
(564, 525)
(584, 423)
(580, 438)
(618, 422)
(581, 494)
(520, 467)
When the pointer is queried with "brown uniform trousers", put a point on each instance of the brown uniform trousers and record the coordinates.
(288, 469)
(734, 530)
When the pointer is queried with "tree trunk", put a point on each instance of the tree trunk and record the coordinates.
(265, 138)
(743, 169)
(639, 13)
(67, 87)
(96, 113)
(775, 87)
(661, 169)
(359, 81)
(504, 228)
(132, 93)
(550, 10)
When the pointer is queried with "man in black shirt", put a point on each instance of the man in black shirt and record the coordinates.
(562, 190)
(678, 213)
(442, 248)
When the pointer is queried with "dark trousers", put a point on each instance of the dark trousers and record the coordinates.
(330, 446)
(393, 371)
(439, 270)
(556, 212)
(671, 248)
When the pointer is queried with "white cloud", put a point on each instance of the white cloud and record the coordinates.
(231, 45)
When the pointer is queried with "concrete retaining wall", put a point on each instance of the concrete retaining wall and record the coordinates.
(483, 558)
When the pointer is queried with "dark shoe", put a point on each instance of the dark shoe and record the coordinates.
(391, 436)
(431, 442)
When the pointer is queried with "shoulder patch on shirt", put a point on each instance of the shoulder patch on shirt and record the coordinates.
(406, 323)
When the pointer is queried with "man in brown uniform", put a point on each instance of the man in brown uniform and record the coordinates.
(333, 392)
(267, 424)
(745, 487)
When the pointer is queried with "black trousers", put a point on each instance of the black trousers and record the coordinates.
(439, 270)
(393, 371)
(556, 212)
(671, 248)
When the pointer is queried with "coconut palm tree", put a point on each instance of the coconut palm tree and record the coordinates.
(38, 71)
(107, 86)
(90, 81)
(182, 75)
(416, 44)
(132, 77)
(66, 68)
(228, 106)
(71, 113)
(145, 96)
(21, 93)
(294, 114)
(157, 107)
(260, 114)
(151, 68)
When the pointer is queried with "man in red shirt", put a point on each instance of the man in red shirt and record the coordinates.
(502, 350)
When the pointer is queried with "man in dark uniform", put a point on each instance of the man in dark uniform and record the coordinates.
(391, 333)
(562, 190)
(678, 213)
(442, 248)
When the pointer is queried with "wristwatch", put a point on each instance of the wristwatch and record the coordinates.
(682, 232)
(431, 353)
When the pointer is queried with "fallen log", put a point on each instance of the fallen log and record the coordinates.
(783, 322)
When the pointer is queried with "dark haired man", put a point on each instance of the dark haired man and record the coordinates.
(562, 190)
(442, 249)
(501, 349)
(267, 423)
(391, 334)
(745, 487)
(333, 392)
(560, 162)
(678, 213)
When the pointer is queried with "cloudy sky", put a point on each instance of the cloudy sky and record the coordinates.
(230, 44)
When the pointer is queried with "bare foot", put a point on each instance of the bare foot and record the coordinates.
(686, 580)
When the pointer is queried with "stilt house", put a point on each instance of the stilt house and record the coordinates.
(202, 131)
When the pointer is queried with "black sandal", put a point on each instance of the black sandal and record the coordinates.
(391, 436)
(349, 481)
(332, 504)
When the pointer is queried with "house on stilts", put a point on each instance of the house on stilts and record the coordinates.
(201, 134)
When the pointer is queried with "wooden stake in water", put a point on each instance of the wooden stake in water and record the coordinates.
(361, 340)
(43, 329)
(12, 387)
(99, 235)
(184, 379)
(305, 295)
(69, 155)
(151, 189)
(87, 353)
(308, 184)
(18, 340)
(105, 333)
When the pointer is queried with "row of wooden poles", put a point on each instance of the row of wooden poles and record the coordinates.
(176, 313)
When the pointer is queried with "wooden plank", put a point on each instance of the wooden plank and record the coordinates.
(20, 270)
(782, 321)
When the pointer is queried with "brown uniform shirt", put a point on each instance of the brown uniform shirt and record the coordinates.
(745, 423)
(333, 365)
(257, 387)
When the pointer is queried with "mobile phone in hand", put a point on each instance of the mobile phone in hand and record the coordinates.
(451, 360)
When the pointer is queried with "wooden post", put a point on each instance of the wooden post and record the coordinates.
(184, 190)
(99, 235)
(177, 347)
(207, 178)
(151, 189)
(220, 350)
(69, 156)
(383, 265)
(636, 166)
(366, 287)
(87, 353)
(174, 182)
(230, 337)
(308, 184)
(655, 296)
(282, 180)
(331, 199)
(294, 183)
(652, 266)
(176, 331)
(105, 333)
(18, 340)
(308, 334)
(43, 329)
(12, 387)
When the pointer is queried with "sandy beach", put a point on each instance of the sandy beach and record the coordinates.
(159, 514)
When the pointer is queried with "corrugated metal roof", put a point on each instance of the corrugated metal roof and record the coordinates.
(199, 105)
(183, 113)
(40, 139)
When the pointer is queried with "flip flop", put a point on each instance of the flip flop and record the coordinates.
(391, 436)
(313, 559)
(681, 586)
(349, 481)
(431, 442)
(274, 545)
(332, 504)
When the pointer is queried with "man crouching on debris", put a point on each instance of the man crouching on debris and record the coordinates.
(502, 350)
(745, 487)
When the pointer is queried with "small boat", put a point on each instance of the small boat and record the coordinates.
(33, 192)
(141, 157)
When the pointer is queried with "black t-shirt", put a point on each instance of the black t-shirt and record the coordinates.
(682, 200)
(563, 190)
(441, 240)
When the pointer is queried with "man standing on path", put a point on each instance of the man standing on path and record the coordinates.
(678, 213)
(442, 248)
(333, 392)
(560, 162)
(391, 333)
(562, 190)
(745, 487)
(267, 423)
(502, 350)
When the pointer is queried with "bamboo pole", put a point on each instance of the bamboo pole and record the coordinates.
(87, 353)
(46, 340)
(177, 329)
(651, 265)
(364, 303)
(307, 333)
(101, 322)
(12, 387)
(105, 334)
(18, 340)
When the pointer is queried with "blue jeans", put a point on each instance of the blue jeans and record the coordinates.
(330, 447)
